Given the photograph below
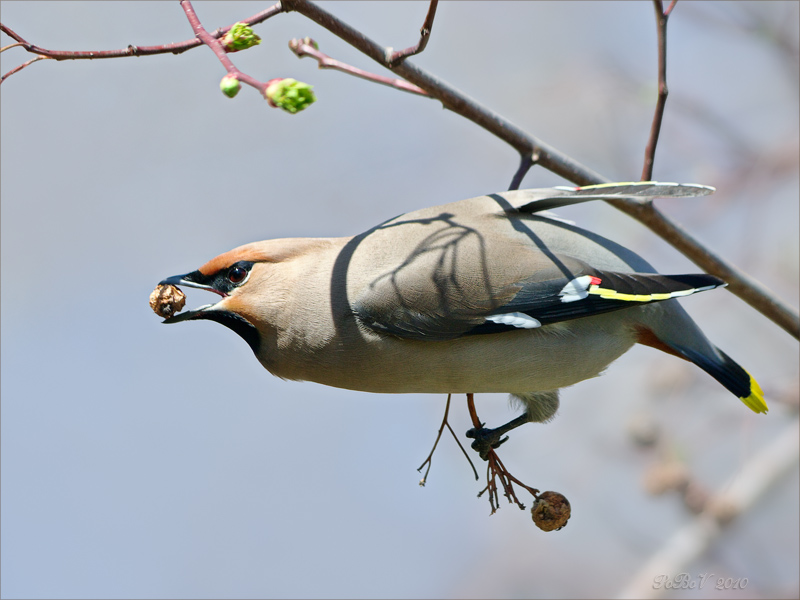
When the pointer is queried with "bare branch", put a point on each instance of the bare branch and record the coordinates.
(424, 33)
(525, 163)
(131, 50)
(207, 38)
(650, 151)
(19, 68)
(308, 47)
(4, 48)
(429, 461)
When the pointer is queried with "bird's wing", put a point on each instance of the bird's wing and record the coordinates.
(560, 298)
(443, 299)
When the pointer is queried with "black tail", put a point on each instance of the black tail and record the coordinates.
(731, 375)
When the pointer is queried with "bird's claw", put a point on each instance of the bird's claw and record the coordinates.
(486, 440)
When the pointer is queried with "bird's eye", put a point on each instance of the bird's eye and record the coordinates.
(237, 274)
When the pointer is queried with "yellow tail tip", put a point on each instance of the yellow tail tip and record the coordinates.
(755, 401)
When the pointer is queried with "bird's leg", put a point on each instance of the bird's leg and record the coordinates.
(488, 439)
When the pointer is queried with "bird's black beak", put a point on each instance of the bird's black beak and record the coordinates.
(194, 280)
(229, 319)
(189, 280)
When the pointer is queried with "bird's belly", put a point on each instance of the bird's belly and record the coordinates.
(552, 357)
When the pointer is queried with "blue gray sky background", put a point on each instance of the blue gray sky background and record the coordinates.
(160, 462)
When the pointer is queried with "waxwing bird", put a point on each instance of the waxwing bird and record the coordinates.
(489, 294)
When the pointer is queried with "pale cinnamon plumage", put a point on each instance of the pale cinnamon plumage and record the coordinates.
(483, 295)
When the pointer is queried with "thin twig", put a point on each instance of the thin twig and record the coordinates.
(463, 451)
(655, 129)
(525, 163)
(496, 468)
(394, 58)
(14, 45)
(307, 47)
(19, 68)
(205, 37)
(213, 43)
(429, 460)
(473, 414)
(131, 50)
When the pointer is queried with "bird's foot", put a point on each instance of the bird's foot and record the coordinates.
(486, 440)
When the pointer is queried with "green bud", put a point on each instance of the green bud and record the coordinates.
(239, 37)
(230, 86)
(289, 94)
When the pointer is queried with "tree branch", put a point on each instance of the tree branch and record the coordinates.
(19, 68)
(131, 50)
(308, 47)
(650, 151)
(525, 163)
(424, 33)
